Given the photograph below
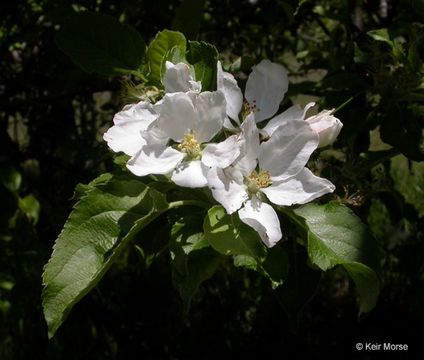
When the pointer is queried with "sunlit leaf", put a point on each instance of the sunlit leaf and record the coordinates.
(229, 236)
(204, 58)
(336, 236)
(159, 47)
(101, 225)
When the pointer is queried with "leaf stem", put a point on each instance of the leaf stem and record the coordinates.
(179, 203)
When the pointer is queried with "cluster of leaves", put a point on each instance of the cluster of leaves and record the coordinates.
(375, 60)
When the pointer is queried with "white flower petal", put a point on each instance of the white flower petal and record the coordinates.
(224, 153)
(125, 134)
(302, 188)
(265, 88)
(155, 159)
(248, 159)
(294, 112)
(233, 95)
(228, 125)
(190, 174)
(263, 218)
(195, 86)
(228, 192)
(154, 135)
(287, 151)
(177, 77)
(326, 125)
(177, 115)
(210, 114)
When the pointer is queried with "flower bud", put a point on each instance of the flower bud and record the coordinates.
(327, 126)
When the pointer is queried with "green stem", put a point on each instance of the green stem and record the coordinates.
(179, 203)
(345, 103)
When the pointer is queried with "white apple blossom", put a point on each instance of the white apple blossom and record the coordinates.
(125, 134)
(265, 89)
(326, 125)
(178, 78)
(129, 123)
(274, 169)
(188, 120)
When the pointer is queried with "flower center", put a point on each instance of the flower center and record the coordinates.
(190, 145)
(247, 108)
(256, 181)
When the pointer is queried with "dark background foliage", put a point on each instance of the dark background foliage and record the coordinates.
(53, 115)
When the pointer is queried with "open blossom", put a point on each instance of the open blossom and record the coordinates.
(265, 89)
(176, 141)
(125, 134)
(326, 125)
(273, 170)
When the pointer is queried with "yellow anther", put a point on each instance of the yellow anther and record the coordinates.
(257, 181)
(190, 145)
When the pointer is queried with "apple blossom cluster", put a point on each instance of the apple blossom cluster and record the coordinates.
(187, 136)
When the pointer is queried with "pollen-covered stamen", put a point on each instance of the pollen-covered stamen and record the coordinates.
(256, 181)
(248, 108)
(190, 145)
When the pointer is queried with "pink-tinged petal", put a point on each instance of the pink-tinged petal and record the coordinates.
(210, 114)
(177, 115)
(263, 218)
(177, 77)
(155, 159)
(248, 159)
(288, 150)
(233, 95)
(301, 189)
(294, 112)
(326, 125)
(224, 153)
(125, 134)
(190, 174)
(265, 88)
(228, 192)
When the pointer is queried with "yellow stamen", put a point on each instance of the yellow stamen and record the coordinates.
(247, 108)
(257, 181)
(190, 145)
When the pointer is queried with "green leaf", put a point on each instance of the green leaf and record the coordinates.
(188, 17)
(276, 266)
(99, 228)
(366, 282)
(229, 236)
(100, 43)
(31, 207)
(204, 58)
(11, 178)
(159, 47)
(82, 189)
(298, 289)
(193, 261)
(336, 236)
(175, 55)
(380, 35)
